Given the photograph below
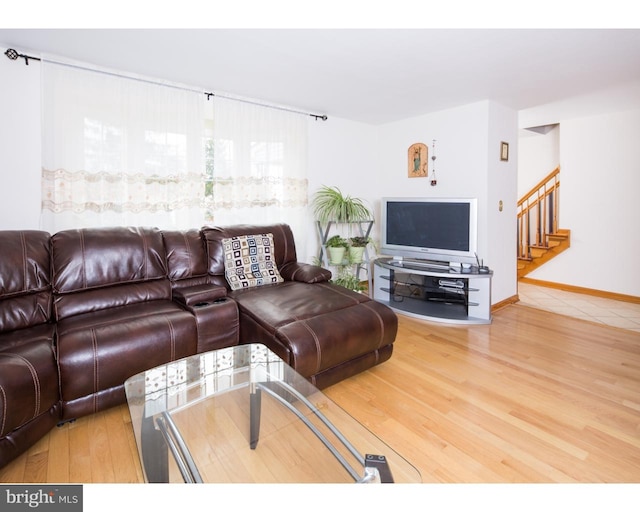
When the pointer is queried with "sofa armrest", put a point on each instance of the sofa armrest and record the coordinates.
(194, 296)
(216, 315)
(304, 272)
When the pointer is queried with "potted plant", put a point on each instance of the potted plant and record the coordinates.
(346, 279)
(356, 248)
(330, 204)
(336, 247)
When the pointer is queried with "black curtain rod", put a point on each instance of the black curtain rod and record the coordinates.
(315, 116)
(14, 55)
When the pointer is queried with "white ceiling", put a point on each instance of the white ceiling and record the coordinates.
(368, 75)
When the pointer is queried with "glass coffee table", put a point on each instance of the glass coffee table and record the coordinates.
(241, 414)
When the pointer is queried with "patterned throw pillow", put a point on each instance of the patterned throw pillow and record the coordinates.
(249, 260)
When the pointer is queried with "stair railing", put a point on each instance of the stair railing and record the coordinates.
(538, 214)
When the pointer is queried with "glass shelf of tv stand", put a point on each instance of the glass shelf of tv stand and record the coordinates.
(440, 301)
(417, 291)
(439, 294)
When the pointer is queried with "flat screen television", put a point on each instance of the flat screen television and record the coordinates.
(437, 229)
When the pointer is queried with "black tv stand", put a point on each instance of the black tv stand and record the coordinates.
(442, 294)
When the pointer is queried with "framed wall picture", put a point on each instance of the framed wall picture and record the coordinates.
(504, 151)
(417, 161)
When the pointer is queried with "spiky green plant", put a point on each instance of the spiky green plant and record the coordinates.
(346, 279)
(330, 204)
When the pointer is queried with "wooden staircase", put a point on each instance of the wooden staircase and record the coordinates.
(539, 255)
(539, 238)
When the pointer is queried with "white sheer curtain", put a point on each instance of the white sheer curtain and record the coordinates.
(119, 151)
(259, 173)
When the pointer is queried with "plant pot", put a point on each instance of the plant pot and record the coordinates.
(336, 255)
(356, 254)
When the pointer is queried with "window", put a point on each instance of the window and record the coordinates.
(122, 151)
(258, 171)
(119, 151)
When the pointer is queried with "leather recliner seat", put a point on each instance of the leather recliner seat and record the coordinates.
(324, 331)
(115, 314)
(29, 399)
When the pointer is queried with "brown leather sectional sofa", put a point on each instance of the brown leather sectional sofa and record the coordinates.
(83, 310)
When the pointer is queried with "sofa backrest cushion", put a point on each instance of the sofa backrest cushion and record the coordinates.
(98, 268)
(186, 258)
(283, 243)
(25, 284)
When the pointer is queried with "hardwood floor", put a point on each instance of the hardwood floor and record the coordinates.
(533, 397)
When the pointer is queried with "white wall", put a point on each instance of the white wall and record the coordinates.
(20, 163)
(371, 162)
(538, 155)
(343, 154)
(460, 151)
(501, 200)
(600, 182)
(596, 146)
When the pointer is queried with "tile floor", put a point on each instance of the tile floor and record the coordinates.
(625, 315)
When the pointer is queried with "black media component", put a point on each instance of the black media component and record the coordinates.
(380, 463)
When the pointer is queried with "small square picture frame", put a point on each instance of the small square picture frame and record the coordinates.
(504, 151)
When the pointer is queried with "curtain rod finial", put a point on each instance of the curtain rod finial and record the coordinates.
(12, 54)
